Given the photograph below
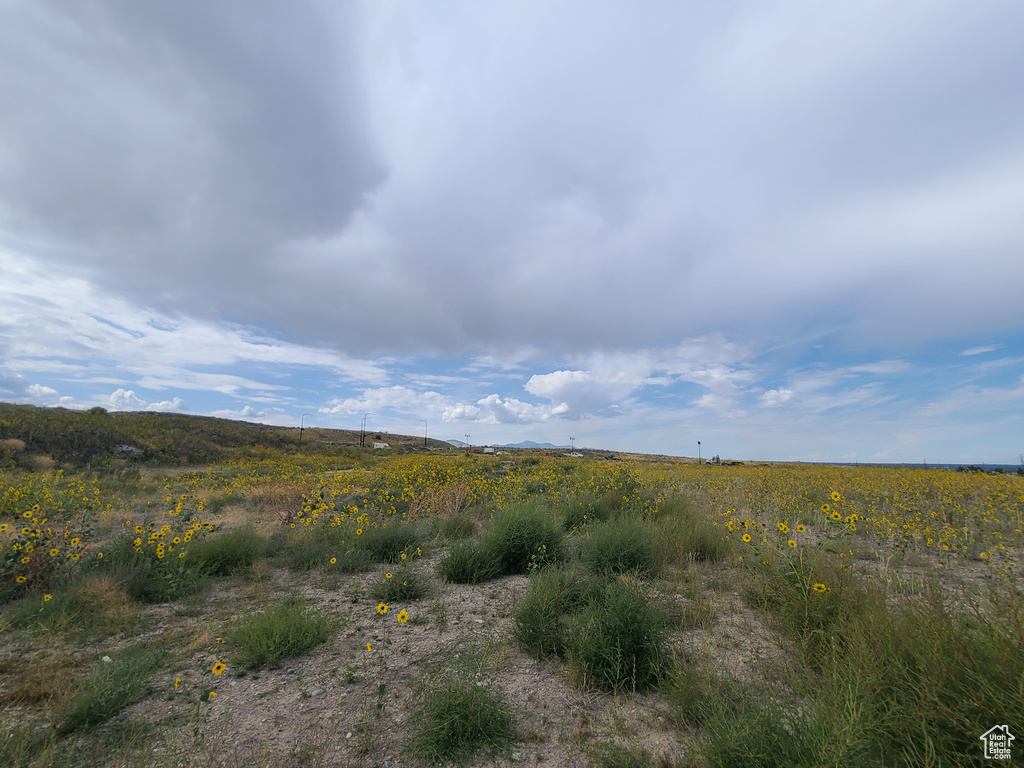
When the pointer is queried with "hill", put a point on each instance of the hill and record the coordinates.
(30, 435)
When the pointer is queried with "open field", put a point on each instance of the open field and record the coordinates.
(355, 609)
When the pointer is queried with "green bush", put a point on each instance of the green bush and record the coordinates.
(683, 534)
(308, 550)
(386, 545)
(521, 538)
(623, 545)
(553, 595)
(111, 687)
(620, 644)
(465, 562)
(457, 527)
(588, 509)
(149, 579)
(459, 719)
(93, 603)
(403, 584)
(289, 628)
(227, 551)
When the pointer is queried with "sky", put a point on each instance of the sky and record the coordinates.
(790, 231)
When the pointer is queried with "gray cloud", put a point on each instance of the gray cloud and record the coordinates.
(485, 179)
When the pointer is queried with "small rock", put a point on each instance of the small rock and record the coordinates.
(318, 692)
(348, 735)
(479, 621)
(106, 659)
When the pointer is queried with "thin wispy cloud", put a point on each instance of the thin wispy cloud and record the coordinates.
(784, 233)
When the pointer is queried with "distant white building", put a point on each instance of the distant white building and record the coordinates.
(488, 450)
(381, 445)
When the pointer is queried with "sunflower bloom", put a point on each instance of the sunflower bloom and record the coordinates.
(403, 616)
(819, 588)
(219, 668)
(382, 608)
(791, 543)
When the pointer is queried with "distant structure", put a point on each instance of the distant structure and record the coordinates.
(381, 445)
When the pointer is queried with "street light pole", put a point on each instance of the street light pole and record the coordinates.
(698, 452)
(572, 445)
(301, 424)
(467, 445)
(424, 432)
(362, 432)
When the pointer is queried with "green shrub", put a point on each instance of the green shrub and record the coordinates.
(620, 644)
(289, 628)
(149, 579)
(459, 719)
(227, 551)
(386, 545)
(94, 603)
(403, 584)
(111, 687)
(346, 561)
(588, 509)
(553, 595)
(308, 550)
(457, 527)
(521, 538)
(465, 562)
(619, 546)
(683, 534)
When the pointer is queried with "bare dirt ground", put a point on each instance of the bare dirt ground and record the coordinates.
(322, 709)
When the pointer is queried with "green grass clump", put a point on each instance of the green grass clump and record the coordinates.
(288, 628)
(456, 527)
(152, 580)
(111, 687)
(620, 642)
(891, 683)
(683, 534)
(617, 756)
(466, 562)
(227, 551)
(622, 545)
(521, 538)
(584, 511)
(94, 604)
(387, 545)
(313, 550)
(460, 719)
(403, 584)
(554, 594)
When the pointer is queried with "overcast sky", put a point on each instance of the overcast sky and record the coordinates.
(787, 230)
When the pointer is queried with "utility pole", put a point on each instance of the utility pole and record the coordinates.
(572, 445)
(698, 452)
(300, 424)
(424, 432)
(362, 432)
(467, 445)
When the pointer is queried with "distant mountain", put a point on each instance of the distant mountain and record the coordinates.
(525, 444)
(531, 444)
